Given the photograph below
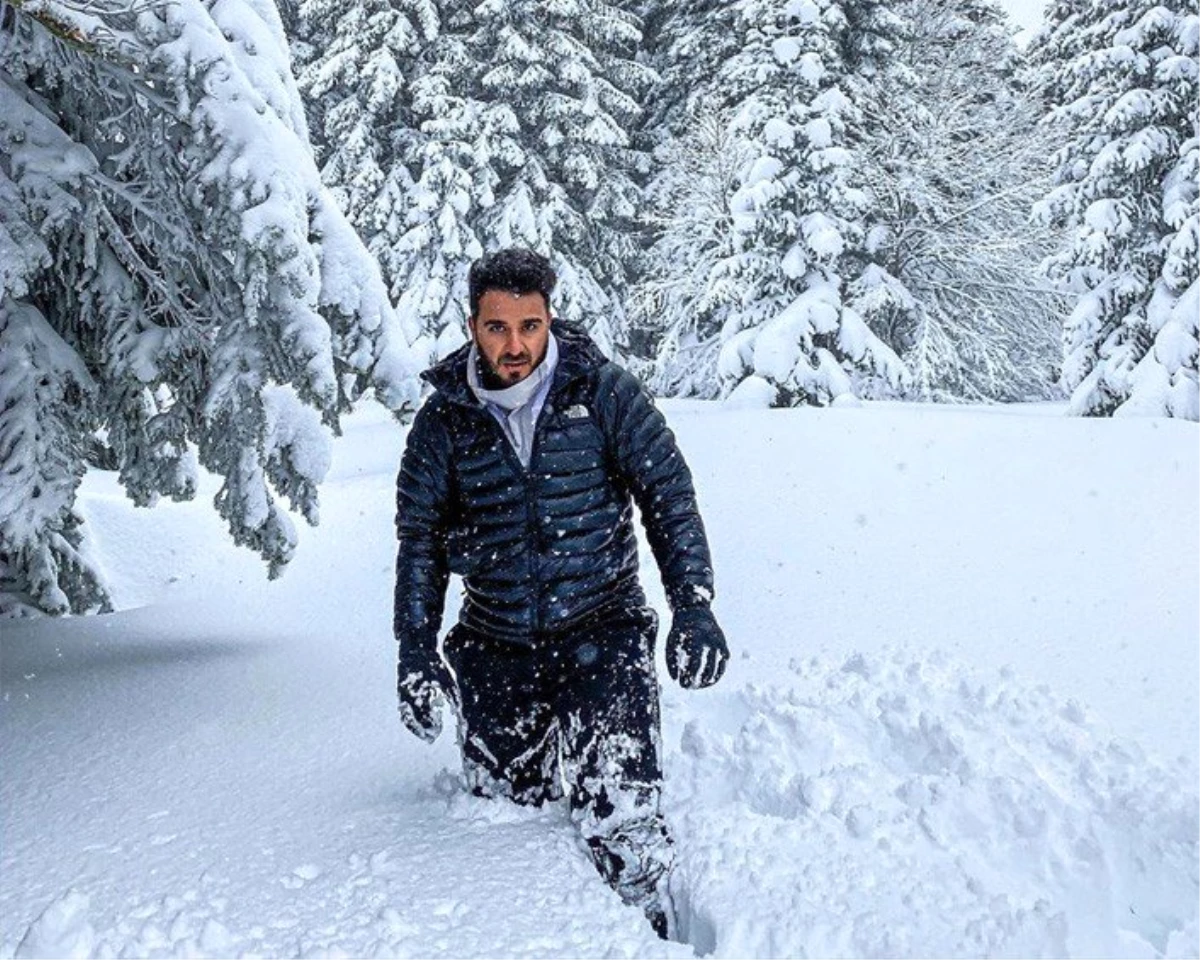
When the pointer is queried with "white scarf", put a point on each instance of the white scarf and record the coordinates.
(523, 401)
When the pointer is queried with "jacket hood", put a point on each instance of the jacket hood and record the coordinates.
(577, 354)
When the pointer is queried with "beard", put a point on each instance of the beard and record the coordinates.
(496, 376)
(508, 375)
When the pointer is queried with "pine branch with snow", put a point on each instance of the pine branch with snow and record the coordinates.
(687, 43)
(168, 245)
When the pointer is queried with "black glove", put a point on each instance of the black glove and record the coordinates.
(422, 681)
(696, 648)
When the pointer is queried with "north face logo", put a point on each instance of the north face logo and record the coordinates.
(577, 412)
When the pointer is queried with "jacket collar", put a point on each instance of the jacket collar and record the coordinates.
(577, 354)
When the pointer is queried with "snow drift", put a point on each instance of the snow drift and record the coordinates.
(960, 719)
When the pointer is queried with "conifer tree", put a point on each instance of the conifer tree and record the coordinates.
(363, 62)
(173, 278)
(687, 44)
(503, 124)
(568, 187)
(460, 141)
(1121, 85)
(800, 252)
(675, 312)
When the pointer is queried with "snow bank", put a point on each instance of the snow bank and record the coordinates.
(889, 806)
(222, 773)
(62, 930)
(882, 805)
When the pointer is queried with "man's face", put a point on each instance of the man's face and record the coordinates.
(511, 332)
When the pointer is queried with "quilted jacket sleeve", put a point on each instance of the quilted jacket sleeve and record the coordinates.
(651, 464)
(422, 514)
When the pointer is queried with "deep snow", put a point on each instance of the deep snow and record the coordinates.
(961, 718)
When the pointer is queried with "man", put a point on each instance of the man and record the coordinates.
(519, 474)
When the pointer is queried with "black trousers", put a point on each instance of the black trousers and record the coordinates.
(576, 714)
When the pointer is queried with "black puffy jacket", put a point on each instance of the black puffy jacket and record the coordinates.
(542, 548)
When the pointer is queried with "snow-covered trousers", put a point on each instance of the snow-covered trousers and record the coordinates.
(576, 712)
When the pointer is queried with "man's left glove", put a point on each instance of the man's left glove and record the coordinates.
(422, 682)
(696, 648)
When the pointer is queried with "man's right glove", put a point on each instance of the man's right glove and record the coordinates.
(422, 681)
(696, 648)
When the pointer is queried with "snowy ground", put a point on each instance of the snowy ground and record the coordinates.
(961, 719)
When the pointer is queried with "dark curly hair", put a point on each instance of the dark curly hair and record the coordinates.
(513, 270)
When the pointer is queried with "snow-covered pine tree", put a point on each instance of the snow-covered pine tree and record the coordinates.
(455, 128)
(799, 242)
(956, 160)
(461, 138)
(365, 65)
(686, 43)
(173, 278)
(567, 72)
(358, 61)
(1121, 84)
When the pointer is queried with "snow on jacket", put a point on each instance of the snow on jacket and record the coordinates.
(543, 548)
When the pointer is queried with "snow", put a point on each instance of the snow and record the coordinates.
(822, 235)
(806, 12)
(879, 768)
(777, 132)
(960, 717)
(811, 69)
(753, 393)
(785, 49)
(819, 132)
(763, 170)
(296, 427)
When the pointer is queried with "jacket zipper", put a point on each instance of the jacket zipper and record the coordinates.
(535, 526)
(527, 480)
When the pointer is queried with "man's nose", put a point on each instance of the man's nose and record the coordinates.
(512, 343)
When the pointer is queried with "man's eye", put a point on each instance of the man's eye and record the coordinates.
(531, 325)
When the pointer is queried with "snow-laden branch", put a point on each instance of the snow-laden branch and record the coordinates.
(89, 27)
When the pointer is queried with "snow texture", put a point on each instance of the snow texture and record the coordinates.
(960, 718)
